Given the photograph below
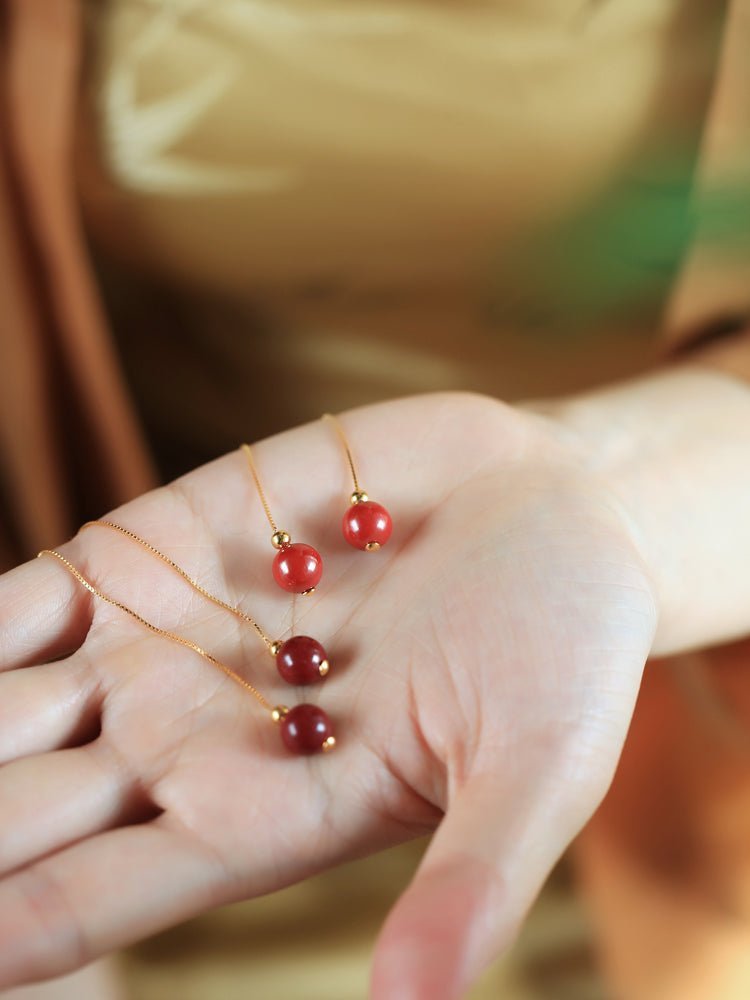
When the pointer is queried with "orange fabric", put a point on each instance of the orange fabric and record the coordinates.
(60, 387)
(665, 863)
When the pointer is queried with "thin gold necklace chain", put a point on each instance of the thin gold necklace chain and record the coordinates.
(164, 633)
(233, 609)
(340, 431)
(261, 493)
(256, 476)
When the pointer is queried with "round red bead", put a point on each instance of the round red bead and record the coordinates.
(305, 728)
(367, 524)
(300, 659)
(297, 567)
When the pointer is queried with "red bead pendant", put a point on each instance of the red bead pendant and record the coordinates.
(297, 568)
(302, 660)
(367, 525)
(306, 729)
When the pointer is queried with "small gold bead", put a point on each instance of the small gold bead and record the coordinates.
(274, 648)
(324, 667)
(329, 744)
(358, 497)
(279, 712)
(372, 546)
(280, 538)
(306, 593)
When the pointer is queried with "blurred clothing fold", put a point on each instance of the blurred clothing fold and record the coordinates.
(69, 439)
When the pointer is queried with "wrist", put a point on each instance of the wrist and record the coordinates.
(673, 450)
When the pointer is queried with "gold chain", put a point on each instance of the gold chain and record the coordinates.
(253, 469)
(233, 609)
(261, 493)
(340, 431)
(164, 633)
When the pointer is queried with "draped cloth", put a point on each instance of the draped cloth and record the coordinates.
(665, 863)
(69, 439)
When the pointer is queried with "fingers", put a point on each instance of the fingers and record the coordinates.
(44, 614)
(487, 861)
(99, 895)
(47, 708)
(54, 799)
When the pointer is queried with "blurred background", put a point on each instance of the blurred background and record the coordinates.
(294, 206)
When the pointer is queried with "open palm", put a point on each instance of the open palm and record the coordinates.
(484, 666)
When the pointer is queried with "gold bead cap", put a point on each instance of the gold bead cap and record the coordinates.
(280, 538)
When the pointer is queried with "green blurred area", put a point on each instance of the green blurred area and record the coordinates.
(619, 254)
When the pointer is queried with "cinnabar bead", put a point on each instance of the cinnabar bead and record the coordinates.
(302, 660)
(367, 525)
(297, 567)
(305, 728)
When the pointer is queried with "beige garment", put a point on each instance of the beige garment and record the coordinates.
(411, 195)
(277, 149)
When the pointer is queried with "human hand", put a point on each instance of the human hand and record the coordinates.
(484, 669)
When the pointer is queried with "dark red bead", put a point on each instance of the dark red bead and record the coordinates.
(297, 567)
(302, 660)
(305, 729)
(367, 525)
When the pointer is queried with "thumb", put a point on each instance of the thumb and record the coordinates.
(486, 863)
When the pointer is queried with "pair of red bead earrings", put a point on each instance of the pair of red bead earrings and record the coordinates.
(305, 728)
(297, 566)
